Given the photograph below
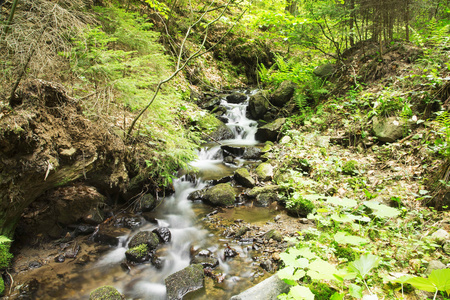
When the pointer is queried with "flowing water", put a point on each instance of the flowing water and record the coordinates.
(184, 219)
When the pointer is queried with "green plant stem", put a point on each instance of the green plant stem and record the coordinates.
(8, 23)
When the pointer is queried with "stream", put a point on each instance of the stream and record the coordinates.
(185, 220)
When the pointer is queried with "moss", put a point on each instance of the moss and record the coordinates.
(105, 293)
(321, 290)
(139, 251)
(5, 256)
(299, 207)
(350, 167)
(345, 252)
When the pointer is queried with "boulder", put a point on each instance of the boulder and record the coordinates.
(440, 236)
(236, 98)
(108, 235)
(205, 261)
(222, 132)
(222, 194)
(211, 104)
(147, 203)
(163, 233)
(325, 70)
(264, 172)
(388, 129)
(258, 105)
(241, 231)
(149, 238)
(233, 151)
(183, 282)
(268, 189)
(243, 177)
(252, 153)
(138, 254)
(283, 93)
(105, 293)
(267, 265)
(268, 289)
(434, 265)
(270, 132)
(197, 195)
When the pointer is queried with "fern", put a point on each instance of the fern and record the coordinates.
(442, 143)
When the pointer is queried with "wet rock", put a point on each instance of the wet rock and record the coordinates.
(211, 104)
(164, 234)
(128, 222)
(82, 229)
(144, 237)
(146, 203)
(223, 180)
(236, 98)
(105, 293)
(270, 132)
(258, 105)
(72, 252)
(264, 172)
(241, 231)
(183, 282)
(84, 259)
(325, 70)
(434, 265)
(222, 132)
(219, 111)
(222, 194)
(268, 289)
(388, 129)
(229, 252)
(108, 235)
(233, 151)
(34, 265)
(229, 159)
(28, 289)
(242, 176)
(94, 216)
(60, 258)
(157, 262)
(267, 265)
(205, 261)
(138, 254)
(254, 192)
(283, 94)
(252, 153)
(265, 199)
(197, 195)
(273, 234)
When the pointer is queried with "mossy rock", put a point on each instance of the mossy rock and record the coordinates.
(105, 293)
(149, 238)
(254, 192)
(271, 131)
(258, 105)
(283, 93)
(243, 177)
(264, 172)
(274, 235)
(186, 281)
(222, 194)
(138, 254)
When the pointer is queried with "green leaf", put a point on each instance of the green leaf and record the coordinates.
(290, 275)
(4, 239)
(364, 264)
(337, 296)
(301, 293)
(341, 218)
(355, 291)
(423, 284)
(345, 202)
(403, 279)
(320, 269)
(441, 278)
(305, 252)
(381, 210)
(291, 260)
(344, 238)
